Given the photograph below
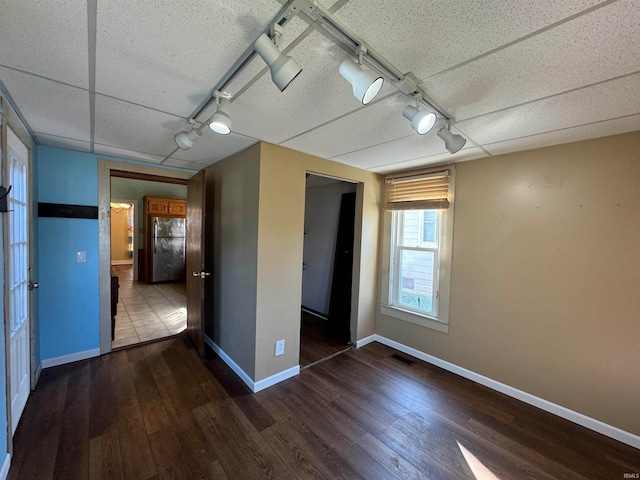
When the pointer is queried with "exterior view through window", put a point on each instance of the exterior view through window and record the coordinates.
(415, 260)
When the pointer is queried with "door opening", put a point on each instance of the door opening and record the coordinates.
(131, 310)
(327, 268)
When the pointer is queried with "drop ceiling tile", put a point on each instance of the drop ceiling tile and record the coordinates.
(171, 59)
(428, 37)
(405, 148)
(410, 147)
(124, 153)
(605, 101)
(49, 107)
(124, 125)
(46, 38)
(574, 134)
(445, 158)
(375, 124)
(595, 47)
(211, 147)
(174, 162)
(62, 142)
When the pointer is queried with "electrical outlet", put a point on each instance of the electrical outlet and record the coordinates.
(280, 347)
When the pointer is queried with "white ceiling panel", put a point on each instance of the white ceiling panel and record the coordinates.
(592, 48)
(124, 153)
(49, 107)
(168, 55)
(211, 147)
(605, 101)
(124, 125)
(316, 96)
(428, 37)
(410, 147)
(375, 124)
(472, 153)
(46, 38)
(62, 142)
(575, 134)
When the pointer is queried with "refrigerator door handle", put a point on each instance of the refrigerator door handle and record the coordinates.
(155, 236)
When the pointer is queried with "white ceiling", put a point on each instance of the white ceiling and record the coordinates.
(122, 78)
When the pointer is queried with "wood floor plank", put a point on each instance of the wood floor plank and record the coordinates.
(104, 456)
(72, 459)
(159, 411)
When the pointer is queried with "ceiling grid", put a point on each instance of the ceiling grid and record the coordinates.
(121, 78)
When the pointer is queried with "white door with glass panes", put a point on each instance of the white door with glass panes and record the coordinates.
(17, 274)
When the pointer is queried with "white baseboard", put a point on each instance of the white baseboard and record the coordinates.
(575, 417)
(277, 378)
(74, 357)
(365, 341)
(4, 472)
(254, 386)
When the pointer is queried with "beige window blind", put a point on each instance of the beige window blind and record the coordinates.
(418, 192)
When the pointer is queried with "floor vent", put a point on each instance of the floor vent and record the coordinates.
(402, 359)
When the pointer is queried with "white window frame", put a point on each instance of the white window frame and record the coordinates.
(440, 320)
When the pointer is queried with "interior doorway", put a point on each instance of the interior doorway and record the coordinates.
(146, 305)
(142, 311)
(327, 268)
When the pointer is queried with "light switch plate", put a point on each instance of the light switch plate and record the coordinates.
(81, 257)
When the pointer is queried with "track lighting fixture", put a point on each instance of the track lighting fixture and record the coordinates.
(422, 121)
(283, 68)
(185, 139)
(220, 122)
(452, 141)
(366, 83)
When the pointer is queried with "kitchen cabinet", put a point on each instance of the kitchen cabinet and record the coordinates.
(165, 206)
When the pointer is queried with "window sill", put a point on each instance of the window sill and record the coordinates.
(411, 317)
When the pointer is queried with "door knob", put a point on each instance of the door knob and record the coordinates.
(201, 274)
(33, 285)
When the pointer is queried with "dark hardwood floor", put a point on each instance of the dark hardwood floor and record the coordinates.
(315, 341)
(159, 411)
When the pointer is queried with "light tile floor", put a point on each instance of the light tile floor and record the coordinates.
(147, 311)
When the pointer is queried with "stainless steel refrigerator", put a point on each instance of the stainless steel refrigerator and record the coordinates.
(167, 249)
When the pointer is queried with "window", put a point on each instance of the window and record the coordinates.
(418, 238)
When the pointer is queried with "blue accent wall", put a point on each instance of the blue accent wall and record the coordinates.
(69, 313)
(68, 298)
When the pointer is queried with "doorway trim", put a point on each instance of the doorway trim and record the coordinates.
(104, 228)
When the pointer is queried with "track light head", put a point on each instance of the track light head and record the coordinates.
(220, 122)
(452, 141)
(283, 68)
(422, 121)
(366, 83)
(185, 139)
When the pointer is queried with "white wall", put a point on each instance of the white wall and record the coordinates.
(321, 215)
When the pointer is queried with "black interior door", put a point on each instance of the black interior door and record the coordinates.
(340, 300)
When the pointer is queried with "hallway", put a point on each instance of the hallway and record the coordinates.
(147, 311)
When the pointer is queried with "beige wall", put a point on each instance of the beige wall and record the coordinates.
(232, 236)
(545, 292)
(119, 234)
(280, 244)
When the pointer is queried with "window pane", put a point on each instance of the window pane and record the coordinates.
(410, 228)
(429, 226)
(416, 280)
